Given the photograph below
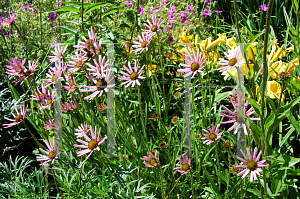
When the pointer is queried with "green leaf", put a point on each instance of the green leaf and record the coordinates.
(95, 6)
(255, 106)
(212, 185)
(253, 39)
(113, 10)
(286, 137)
(294, 123)
(66, 8)
(69, 29)
(15, 94)
(295, 84)
(123, 25)
(256, 132)
(296, 5)
(287, 107)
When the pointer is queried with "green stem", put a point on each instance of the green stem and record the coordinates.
(82, 105)
(227, 188)
(161, 181)
(163, 68)
(192, 185)
(140, 103)
(203, 103)
(32, 134)
(6, 44)
(82, 26)
(219, 177)
(173, 187)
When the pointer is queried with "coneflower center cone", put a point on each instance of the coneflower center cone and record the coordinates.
(58, 55)
(92, 144)
(185, 166)
(154, 28)
(232, 61)
(78, 64)
(152, 161)
(134, 76)
(18, 68)
(194, 66)
(54, 78)
(101, 83)
(144, 44)
(18, 118)
(89, 54)
(27, 73)
(212, 136)
(49, 101)
(252, 165)
(52, 155)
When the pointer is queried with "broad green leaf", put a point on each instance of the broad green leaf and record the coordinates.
(286, 137)
(113, 10)
(253, 39)
(69, 29)
(296, 5)
(95, 6)
(15, 94)
(294, 123)
(255, 106)
(295, 84)
(287, 107)
(66, 8)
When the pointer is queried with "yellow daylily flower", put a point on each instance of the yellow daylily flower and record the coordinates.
(290, 49)
(205, 43)
(151, 69)
(277, 54)
(231, 42)
(254, 49)
(294, 64)
(279, 67)
(274, 89)
(233, 71)
(222, 38)
(184, 38)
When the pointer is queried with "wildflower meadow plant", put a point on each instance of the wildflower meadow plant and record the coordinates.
(108, 93)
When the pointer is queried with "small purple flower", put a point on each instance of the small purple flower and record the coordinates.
(263, 7)
(171, 27)
(217, 11)
(165, 3)
(172, 17)
(107, 8)
(208, 2)
(153, 11)
(173, 9)
(141, 9)
(170, 40)
(52, 16)
(206, 12)
(53, 28)
(56, 41)
(190, 9)
(184, 17)
(28, 31)
(128, 3)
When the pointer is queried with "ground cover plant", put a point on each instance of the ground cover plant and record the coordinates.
(150, 99)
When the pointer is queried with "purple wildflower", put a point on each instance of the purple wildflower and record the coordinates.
(208, 2)
(263, 7)
(52, 16)
(190, 9)
(154, 11)
(184, 17)
(217, 11)
(141, 9)
(206, 12)
(128, 3)
(170, 40)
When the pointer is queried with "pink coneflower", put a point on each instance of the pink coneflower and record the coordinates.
(185, 165)
(72, 85)
(89, 54)
(87, 42)
(151, 162)
(11, 19)
(195, 64)
(237, 118)
(52, 154)
(206, 12)
(213, 135)
(252, 164)
(69, 106)
(132, 76)
(153, 28)
(100, 85)
(18, 118)
(47, 100)
(143, 42)
(41, 95)
(99, 68)
(235, 59)
(82, 129)
(92, 144)
(97, 46)
(27, 73)
(58, 52)
(77, 62)
(15, 68)
(52, 125)
(54, 73)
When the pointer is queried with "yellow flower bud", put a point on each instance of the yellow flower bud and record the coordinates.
(277, 54)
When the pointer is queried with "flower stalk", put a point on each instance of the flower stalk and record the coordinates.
(219, 176)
